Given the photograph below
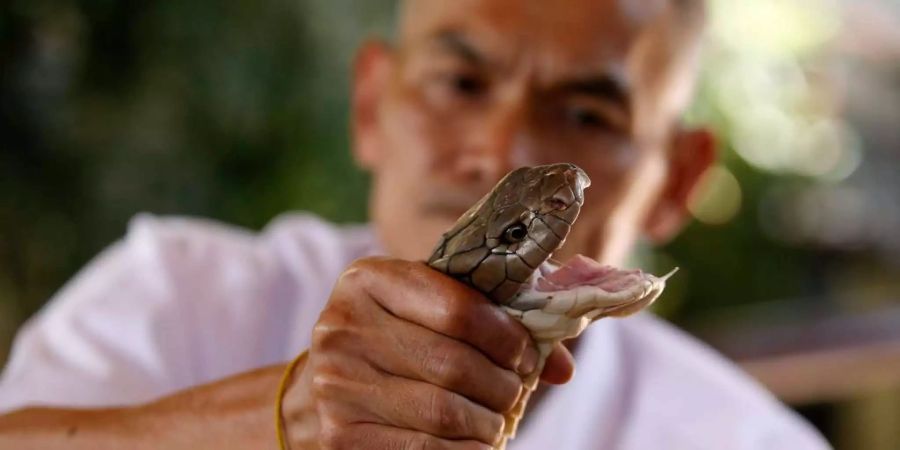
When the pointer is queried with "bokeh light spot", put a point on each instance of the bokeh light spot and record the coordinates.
(718, 197)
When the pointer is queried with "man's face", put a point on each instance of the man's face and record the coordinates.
(476, 88)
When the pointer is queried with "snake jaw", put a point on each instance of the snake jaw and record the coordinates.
(558, 302)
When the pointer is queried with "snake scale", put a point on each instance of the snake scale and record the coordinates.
(501, 247)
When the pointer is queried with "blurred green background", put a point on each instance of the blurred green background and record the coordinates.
(238, 110)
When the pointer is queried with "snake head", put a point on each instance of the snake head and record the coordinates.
(498, 243)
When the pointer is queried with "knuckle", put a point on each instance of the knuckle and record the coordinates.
(497, 423)
(507, 390)
(340, 326)
(455, 318)
(419, 442)
(519, 338)
(446, 365)
(336, 432)
(509, 346)
(325, 383)
(328, 334)
(512, 339)
(446, 413)
(322, 332)
(357, 273)
(332, 436)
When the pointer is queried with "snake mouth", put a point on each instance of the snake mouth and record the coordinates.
(584, 288)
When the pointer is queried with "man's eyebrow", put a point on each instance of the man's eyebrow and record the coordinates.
(456, 43)
(603, 86)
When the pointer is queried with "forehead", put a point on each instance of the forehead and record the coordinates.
(562, 35)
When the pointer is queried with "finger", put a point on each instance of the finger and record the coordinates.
(378, 436)
(414, 352)
(415, 405)
(560, 366)
(353, 391)
(419, 294)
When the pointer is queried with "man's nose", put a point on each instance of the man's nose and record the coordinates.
(497, 145)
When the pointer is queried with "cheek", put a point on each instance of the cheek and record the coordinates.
(407, 175)
(612, 168)
(415, 136)
(405, 136)
(615, 207)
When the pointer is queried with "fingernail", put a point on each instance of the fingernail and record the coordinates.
(529, 361)
(498, 439)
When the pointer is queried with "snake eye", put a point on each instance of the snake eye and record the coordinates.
(515, 233)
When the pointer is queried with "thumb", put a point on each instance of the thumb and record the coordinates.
(560, 366)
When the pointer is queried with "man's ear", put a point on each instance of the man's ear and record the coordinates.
(692, 152)
(370, 80)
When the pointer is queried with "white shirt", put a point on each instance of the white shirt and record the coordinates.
(179, 302)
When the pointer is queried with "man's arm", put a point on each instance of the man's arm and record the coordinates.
(233, 413)
(402, 357)
(143, 321)
(176, 303)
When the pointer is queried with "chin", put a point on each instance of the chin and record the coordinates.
(414, 239)
(429, 232)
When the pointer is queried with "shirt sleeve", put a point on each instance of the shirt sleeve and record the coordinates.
(163, 309)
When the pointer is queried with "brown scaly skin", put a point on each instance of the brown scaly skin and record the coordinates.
(498, 243)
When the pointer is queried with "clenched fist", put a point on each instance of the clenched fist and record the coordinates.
(406, 357)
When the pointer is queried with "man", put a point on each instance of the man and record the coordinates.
(402, 356)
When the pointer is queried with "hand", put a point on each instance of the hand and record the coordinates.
(406, 357)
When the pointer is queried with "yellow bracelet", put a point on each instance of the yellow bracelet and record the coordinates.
(279, 399)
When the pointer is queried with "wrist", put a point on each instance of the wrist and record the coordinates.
(296, 417)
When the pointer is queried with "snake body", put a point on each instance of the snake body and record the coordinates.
(501, 247)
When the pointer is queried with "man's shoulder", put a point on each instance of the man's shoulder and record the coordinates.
(172, 303)
(197, 232)
(700, 396)
(171, 262)
(185, 241)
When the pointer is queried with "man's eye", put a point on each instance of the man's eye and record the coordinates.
(466, 85)
(587, 118)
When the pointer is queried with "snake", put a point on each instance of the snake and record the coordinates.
(503, 246)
